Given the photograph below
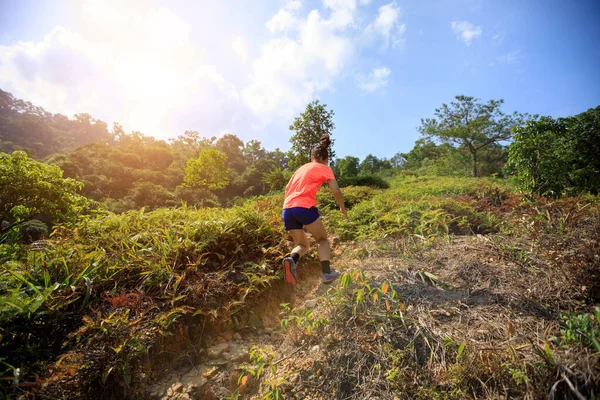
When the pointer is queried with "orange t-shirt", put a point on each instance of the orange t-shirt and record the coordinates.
(301, 190)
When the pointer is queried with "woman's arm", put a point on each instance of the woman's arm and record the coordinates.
(337, 193)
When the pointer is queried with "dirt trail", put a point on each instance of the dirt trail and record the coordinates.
(216, 377)
(472, 294)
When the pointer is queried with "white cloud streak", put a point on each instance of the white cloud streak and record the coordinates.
(377, 79)
(466, 31)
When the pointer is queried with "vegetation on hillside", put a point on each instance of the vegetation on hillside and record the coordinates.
(89, 307)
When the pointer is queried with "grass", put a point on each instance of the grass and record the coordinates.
(427, 207)
(105, 291)
(512, 315)
(87, 309)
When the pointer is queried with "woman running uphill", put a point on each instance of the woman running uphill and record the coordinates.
(300, 211)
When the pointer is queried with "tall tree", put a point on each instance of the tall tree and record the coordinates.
(208, 171)
(309, 126)
(348, 166)
(468, 122)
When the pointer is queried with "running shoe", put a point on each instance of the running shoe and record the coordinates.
(330, 277)
(289, 267)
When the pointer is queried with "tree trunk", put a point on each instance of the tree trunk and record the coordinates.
(474, 164)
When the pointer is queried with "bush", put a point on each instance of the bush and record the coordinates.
(121, 282)
(34, 230)
(554, 157)
(352, 196)
(30, 188)
(364, 179)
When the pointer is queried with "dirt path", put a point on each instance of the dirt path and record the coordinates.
(216, 378)
(466, 293)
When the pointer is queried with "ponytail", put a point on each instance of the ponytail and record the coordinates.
(321, 152)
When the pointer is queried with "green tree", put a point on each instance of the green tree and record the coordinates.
(553, 156)
(276, 179)
(372, 164)
(348, 166)
(232, 146)
(148, 194)
(309, 126)
(208, 171)
(279, 157)
(469, 123)
(253, 151)
(29, 188)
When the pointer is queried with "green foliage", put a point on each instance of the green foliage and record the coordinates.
(581, 329)
(39, 133)
(120, 282)
(353, 195)
(276, 179)
(364, 179)
(471, 124)
(347, 167)
(430, 159)
(552, 157)
(34, 230)
(207, 171)
(427, 207)
(197, 197)
(29, 188)
(304, 320)
(371, 165)
(263, 360)
(314, 122)
(148, 194)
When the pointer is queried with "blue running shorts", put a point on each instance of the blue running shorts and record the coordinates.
(297, 217)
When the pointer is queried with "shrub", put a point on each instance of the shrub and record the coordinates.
(34, 230)
(552, 157)
(365, 179)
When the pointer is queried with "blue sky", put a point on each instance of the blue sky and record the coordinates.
(248, 67)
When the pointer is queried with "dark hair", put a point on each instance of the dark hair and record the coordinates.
(321, 152)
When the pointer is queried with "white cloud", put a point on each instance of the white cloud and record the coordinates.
(41, 73)
(466, 31)
(497, 39)
(342, 13)
(134, 66)
(141, 67)
(387, 27)
(376, 79)
(238, 45)
(387, 17)
(365, 2)
(293, 5)
(290, 71)
(282, 21)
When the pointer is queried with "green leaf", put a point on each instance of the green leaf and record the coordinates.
(461, 348)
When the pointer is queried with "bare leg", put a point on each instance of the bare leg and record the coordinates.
(300, 240)
(317, 229)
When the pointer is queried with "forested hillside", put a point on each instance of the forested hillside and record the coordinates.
(25, 126)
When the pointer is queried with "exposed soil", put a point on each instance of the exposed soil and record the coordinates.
(229, 347)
